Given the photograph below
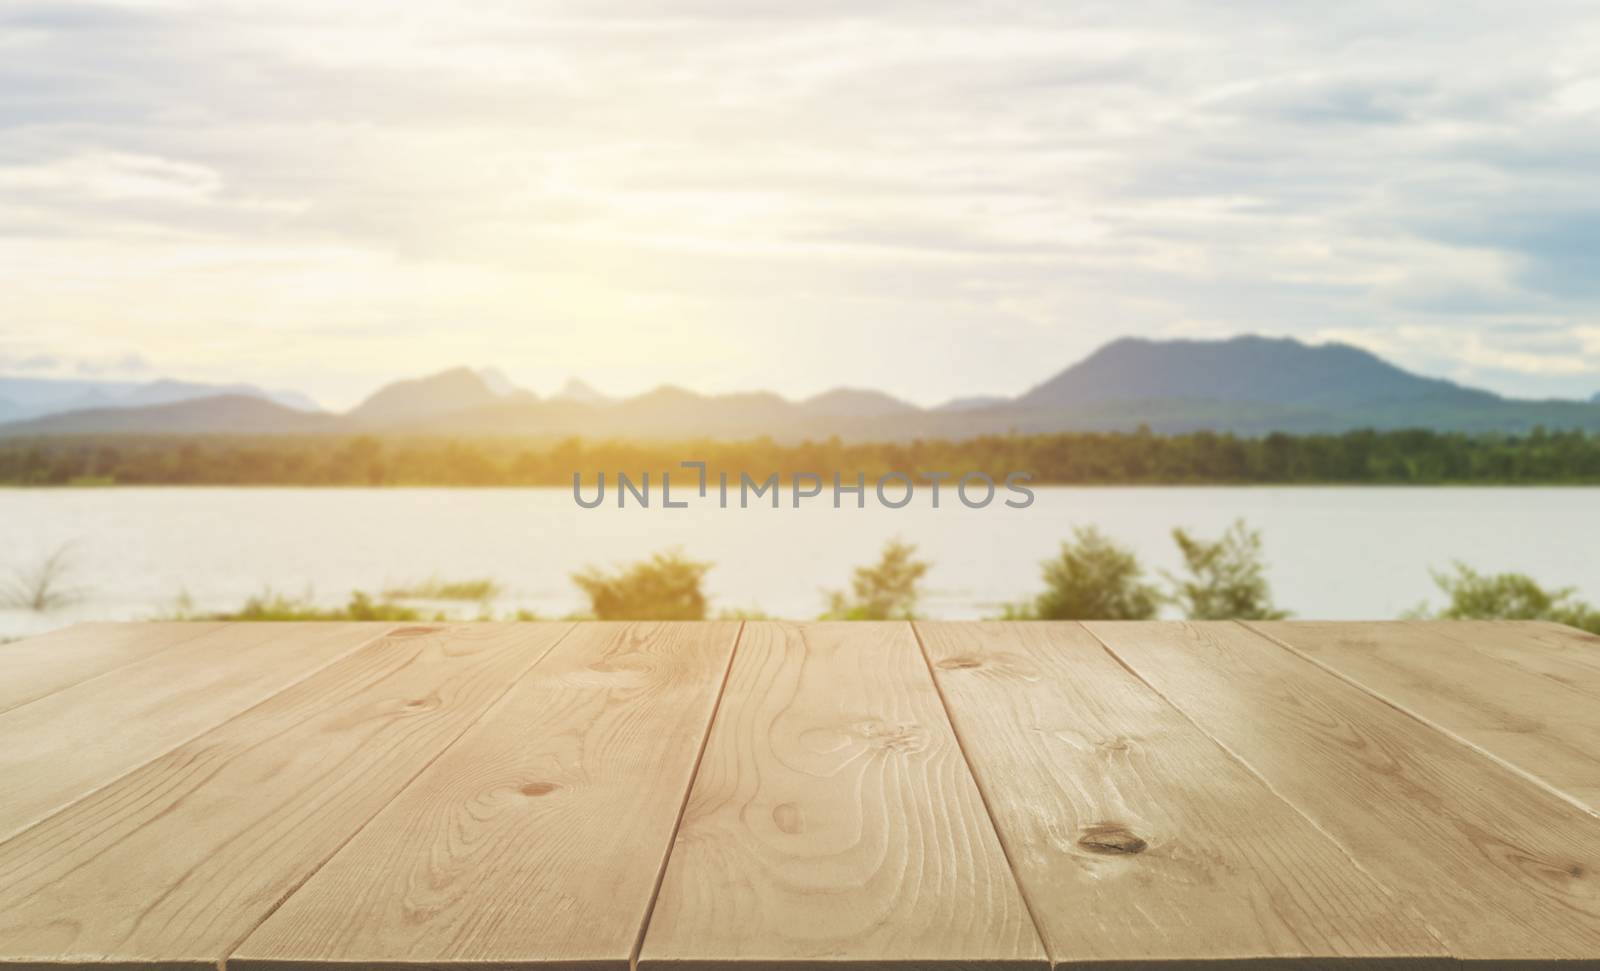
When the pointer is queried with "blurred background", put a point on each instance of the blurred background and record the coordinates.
(316, 310)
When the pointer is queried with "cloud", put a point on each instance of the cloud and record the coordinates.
(1012, 183)
(112, 177)
(129, 363)
(30, 363)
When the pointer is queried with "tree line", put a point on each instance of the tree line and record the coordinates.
(1416, 457)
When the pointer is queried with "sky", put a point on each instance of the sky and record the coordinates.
(936, 199)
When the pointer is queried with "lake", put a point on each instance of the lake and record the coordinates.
(1333, 553)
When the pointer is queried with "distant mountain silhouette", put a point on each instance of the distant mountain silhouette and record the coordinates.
(579, 391)
(231, 414)
(496, 381)
(856, 403)
(22, 398)
(1247, 385)
(446, 393)
(1243, 369)
(974, 403)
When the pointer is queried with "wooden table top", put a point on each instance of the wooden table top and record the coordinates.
(800, 796)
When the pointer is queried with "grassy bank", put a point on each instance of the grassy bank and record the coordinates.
(1092, 577)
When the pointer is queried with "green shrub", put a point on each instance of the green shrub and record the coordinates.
(437, 589)
(1226, 579)
(1509, 596)
(271, 606)
(1092, 579)
(664, 587)
(888, 590)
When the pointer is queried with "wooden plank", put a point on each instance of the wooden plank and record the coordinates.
(1469, 688)
(537, 840)
(1564, 654)
(833, 822)
(174, 863)
(37, 666)
(1499, 868)
(73, 741)
(1122, 819)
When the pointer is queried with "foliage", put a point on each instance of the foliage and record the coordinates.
(1388, 457)
(436, 589)
(888, 590)
(271, 606)
(1509, 596)
(1092, 579)
(664, 587)
(41, 588)
(1226, 579)
(745, 613)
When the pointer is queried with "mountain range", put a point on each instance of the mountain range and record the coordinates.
(24, 398)
(1247, 385)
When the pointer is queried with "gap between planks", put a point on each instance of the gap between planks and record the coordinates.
(304, 894)
(18, 690)
(76, 890)
(201, 633)
(1528, 904)
(924, 670)
(1430, 723)
(1389, 943)
(962, 747)
(683, 804)
(795, 897)
(983, 796)
(1277, 794)
(222, 962)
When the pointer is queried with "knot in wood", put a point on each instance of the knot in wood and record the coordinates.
(789, 818)
(960, 663)
(1112, 839)
(891, 737)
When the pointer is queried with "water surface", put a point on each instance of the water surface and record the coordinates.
(1332, 552)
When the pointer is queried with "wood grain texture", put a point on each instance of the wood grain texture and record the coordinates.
(833, 822)
(37, 666)
(1123, 820)
(73, 741)
(174, 863)
(1499, 868)
(1469, 686)
(537, 840)
(1563, 654)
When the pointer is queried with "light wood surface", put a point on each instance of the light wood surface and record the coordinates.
(1562, 654)
(1470, 686)
(537, 839)
(37, 666)
(1122, 818)
(1499, 868)
(833, 820)
(800, 797)
(73, 741)
(177, 861)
